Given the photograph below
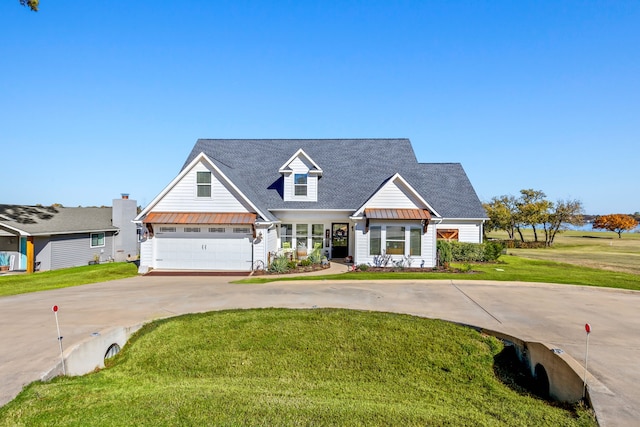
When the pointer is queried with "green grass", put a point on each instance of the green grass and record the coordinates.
(602, 250)
(509, 268)
(293, 367)
(13, 284)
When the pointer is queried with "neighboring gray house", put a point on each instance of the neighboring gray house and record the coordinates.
(236, 203)
(44, 238)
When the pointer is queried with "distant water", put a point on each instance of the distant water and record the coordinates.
(588, 227)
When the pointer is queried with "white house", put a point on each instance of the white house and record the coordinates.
(237, 203)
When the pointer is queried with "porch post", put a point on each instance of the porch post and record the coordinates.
(31, 262)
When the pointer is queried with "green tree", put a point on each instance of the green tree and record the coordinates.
(559, 215)
(533, 208)
(502, 214)
(615, 222)
(31, 4)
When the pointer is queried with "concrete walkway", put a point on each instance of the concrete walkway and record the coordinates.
(554, 314)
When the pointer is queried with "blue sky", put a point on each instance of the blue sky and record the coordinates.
(102, 98)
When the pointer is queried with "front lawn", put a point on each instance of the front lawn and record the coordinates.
(293, 367)
(509, 268)
(13, 284)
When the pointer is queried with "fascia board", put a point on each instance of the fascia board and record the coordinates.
(17, 230)
(285, 167)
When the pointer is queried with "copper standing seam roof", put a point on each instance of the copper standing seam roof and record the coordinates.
(200, 218)
(415, 214)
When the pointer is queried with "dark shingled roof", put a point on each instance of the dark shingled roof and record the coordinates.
(353, 169)
(47, 220)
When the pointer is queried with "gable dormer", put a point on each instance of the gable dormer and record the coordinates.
(301, 174)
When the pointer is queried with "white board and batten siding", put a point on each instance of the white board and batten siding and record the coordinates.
(394, 196)
(183, 196)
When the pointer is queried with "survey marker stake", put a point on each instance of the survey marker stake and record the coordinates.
(587, 328)
(55, 312)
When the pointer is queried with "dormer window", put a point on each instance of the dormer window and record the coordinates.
(301, 175)
(204, 184)
(300, 184)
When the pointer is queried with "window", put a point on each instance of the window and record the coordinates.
(302, 232)
(317, 233)
(204, 184)
(395, 240)
(243, 230)
(192, 229)
(286, 235)
(375, 240)
(97, 240)
(167, 229)
(216, 230)
(415, 241)
(300, 184)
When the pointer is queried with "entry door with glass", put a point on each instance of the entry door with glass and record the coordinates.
(339, 240)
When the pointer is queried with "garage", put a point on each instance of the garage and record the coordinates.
(182, 244)
(231, 253)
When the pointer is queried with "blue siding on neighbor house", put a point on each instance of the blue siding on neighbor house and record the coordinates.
(72, 250)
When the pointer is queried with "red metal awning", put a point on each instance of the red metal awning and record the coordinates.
(411, 214)
(200, 218)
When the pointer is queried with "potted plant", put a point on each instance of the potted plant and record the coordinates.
(4, 261)
(302, 249)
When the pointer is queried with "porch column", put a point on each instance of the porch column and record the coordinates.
(31, 262)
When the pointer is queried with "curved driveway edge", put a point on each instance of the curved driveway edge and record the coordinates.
(554, 314)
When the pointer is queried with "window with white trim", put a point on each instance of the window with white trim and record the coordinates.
(192, 229)
(375, 240)
(394, 243)
(167, 230)
(317, 236)
(216, 229)
(300, 184)
(242, 230)
(302, 232)
(395, 240)
(204, 184)
(97, 240)
(286, 236)
(415, 241)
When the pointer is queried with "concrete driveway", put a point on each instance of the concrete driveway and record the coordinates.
(554, 314)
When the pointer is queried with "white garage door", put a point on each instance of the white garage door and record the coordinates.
(230, 252)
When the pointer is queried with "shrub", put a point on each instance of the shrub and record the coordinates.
(444, 252)
(305, 262)
(363, 267)
(280, 264)
(315, 257)
(517, 244)
(493, 250)
(465, 252)
(292, 264)
(476, 252)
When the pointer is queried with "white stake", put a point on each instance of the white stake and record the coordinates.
(587, 327)
(55, 312)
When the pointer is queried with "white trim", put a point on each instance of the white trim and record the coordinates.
(389, 182)
(284, 167)
(104, 240)
(200, 157)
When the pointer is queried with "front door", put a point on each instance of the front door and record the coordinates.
(339, 240)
